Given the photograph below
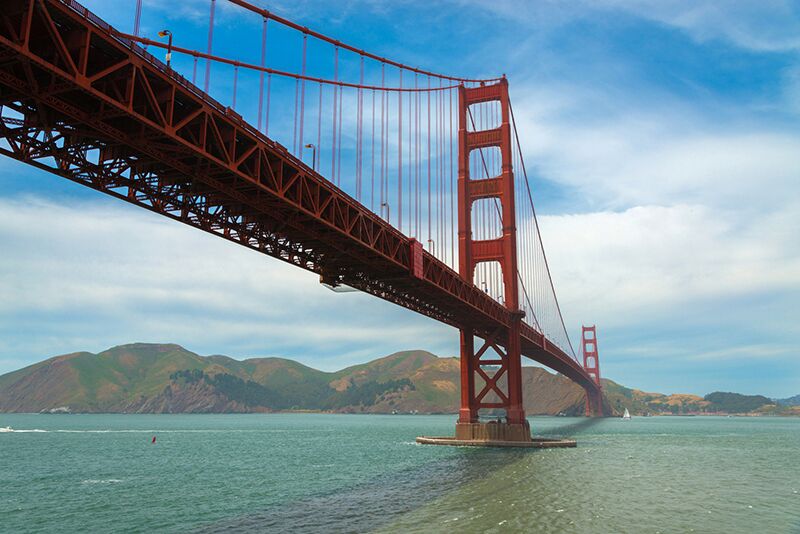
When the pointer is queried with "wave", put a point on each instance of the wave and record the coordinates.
(8, 429)
(156, 431)
(101, 481)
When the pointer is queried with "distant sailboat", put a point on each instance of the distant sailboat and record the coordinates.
(627, 414)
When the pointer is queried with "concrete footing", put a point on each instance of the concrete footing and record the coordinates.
(493, 431)
(496, 434)
(535, 443)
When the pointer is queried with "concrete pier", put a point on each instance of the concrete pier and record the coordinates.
(496, 434)
(535, 443)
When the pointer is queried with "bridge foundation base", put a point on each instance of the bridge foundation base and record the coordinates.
(494, 431)
(494, 434)
(535, 443)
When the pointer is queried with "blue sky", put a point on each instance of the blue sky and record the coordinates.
(664, 146)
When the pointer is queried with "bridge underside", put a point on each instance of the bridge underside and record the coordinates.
(84, 104)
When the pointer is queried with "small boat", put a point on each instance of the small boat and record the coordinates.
(6, 429)
(626, 415)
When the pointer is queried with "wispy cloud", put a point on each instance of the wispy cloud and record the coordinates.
(88, 276)
(759, 25)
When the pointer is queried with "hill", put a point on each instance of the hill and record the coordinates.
(641, 403)
(736, 403)
(156, 378)
(791, 401)
(165, 378)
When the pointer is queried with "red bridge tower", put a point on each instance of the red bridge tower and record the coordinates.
(503, 362)
(591, 362)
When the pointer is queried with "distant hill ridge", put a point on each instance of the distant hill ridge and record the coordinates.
(167, 378)
(791, 401)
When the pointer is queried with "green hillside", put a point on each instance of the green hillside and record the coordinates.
(164, 378)
(735, 402)
(168, 378)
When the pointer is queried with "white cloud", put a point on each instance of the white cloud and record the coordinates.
(760, 25)
(621, 267)
(92, 275)
(638, 153)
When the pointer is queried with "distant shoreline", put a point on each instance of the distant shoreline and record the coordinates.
(167, 378)
(330, 412)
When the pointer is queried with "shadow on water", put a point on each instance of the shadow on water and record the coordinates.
(379, 501)
(570, 429)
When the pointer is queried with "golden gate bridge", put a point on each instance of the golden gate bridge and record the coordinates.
(401, 182)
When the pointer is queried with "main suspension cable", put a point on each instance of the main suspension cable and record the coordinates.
(538, 232)
(202, 55)
(288, 23)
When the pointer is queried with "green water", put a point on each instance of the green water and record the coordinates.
(358, 473)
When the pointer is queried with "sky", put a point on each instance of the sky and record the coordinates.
(663, 144)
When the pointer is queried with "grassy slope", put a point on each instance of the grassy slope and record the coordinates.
(122, 375)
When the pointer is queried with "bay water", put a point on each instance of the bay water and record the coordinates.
(365, 473)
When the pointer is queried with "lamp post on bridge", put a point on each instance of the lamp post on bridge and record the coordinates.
(385, 205)
(167, 33)
(313, 148)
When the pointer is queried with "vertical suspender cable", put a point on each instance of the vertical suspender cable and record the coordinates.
(452, 192)
(235, 83)
(137, 18)
(383, 118)
(360, 136)
(372, 156)
(440, 167)
(492, 222)
(269, 96)
(261, 73)
(387, 103)
(210, 40)
(339, 144)
(485, 214)
(429, 161)
(300, 138)
(319, 131)
(294, 129)
(442, 181)
(436, 177)
(400, 155)
(433, 164)
(416, 157)
(335, 103)
(410, 181)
